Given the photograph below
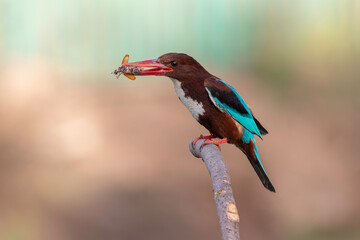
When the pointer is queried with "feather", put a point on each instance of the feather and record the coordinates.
(248, 145)
(227, 100)
(263, 131)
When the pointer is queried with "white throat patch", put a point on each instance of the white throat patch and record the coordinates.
(196, 109)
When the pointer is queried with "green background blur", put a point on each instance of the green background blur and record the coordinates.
(276, 38)
(82, 154)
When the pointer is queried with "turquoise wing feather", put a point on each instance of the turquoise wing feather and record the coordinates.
(230, 102)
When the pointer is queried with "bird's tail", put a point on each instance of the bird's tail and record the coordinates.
(251, 152)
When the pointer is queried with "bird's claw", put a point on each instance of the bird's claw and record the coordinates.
(217, 142)
(209, 137)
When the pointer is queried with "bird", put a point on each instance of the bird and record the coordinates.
(214, 103)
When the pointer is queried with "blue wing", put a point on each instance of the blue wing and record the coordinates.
(227, 100)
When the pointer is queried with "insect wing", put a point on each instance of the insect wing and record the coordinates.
(132, 77)
(125, 59)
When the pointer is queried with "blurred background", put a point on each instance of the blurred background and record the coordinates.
(84, 155)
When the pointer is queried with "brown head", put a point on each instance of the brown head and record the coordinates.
(174, 65)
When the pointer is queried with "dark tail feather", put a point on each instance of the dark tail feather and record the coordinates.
(250, 150)
(263, 131)
(262, 175)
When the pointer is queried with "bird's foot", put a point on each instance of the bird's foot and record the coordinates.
(209, 137)
(217, 142)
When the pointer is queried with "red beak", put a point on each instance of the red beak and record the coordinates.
(153, 67)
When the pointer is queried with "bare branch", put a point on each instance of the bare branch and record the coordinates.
(224, 199)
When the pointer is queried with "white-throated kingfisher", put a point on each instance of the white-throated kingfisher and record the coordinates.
(213, 103)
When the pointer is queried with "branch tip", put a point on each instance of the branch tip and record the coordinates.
(224, 198)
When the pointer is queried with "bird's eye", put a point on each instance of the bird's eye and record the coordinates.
(173, 63)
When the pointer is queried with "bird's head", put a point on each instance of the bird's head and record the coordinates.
(174, 65)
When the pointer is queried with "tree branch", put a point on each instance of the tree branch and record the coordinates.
(224, 199)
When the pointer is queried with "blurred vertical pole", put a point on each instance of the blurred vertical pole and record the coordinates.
(224, 199)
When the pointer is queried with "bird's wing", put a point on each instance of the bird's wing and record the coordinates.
(227, 100)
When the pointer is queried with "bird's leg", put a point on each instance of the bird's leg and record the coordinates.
(217, 142)
(209, 137)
